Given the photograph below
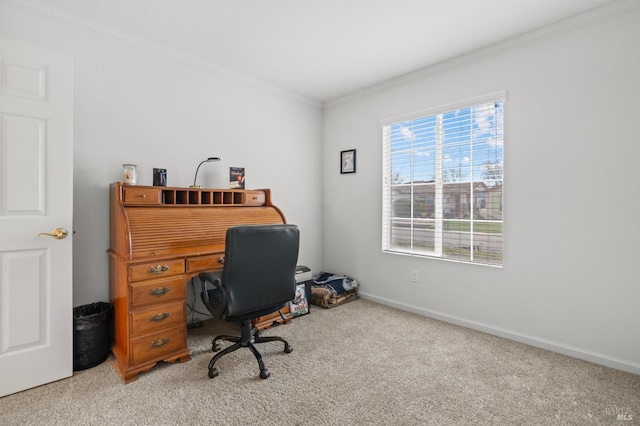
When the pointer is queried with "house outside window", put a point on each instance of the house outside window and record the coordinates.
(443, 182)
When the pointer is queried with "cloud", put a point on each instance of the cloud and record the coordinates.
(484, 115)
(406, 132)
(495, 142)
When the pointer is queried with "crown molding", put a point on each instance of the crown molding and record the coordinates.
(582, 20)
(34, 7)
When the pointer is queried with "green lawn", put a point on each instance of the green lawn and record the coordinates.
(462, 226)
(487, 227)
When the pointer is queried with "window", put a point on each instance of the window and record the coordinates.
(443, 180)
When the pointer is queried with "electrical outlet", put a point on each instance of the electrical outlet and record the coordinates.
(414, 275)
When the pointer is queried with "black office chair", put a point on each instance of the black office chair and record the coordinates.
(258, 278)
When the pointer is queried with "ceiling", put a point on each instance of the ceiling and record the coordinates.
(324, 49)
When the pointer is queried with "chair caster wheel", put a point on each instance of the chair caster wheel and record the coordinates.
(213, 373)
(264, 374)
(288, 349)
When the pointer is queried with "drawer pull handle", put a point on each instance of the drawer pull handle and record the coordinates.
(143, 195)
(159, 343)
(221, 260)
(160, 291)
(158, 269)
(160, 317)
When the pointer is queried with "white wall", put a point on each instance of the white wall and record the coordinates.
(137, 104)
(571, 280)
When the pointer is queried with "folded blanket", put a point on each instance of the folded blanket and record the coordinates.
(322, 297)
(336, 284)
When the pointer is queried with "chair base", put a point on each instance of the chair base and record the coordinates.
(250, 336)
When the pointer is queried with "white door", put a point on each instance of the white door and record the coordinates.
(36, 183)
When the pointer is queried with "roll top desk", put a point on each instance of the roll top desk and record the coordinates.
(160, 238)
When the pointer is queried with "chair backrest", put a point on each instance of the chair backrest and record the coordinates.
(259, 268)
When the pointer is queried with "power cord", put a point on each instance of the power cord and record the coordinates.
(195, 322)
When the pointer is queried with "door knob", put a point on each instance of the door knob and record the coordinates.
(58, 233)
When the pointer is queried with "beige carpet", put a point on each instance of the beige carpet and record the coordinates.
(358, 364)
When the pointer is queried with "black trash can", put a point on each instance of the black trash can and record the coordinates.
(91, 334)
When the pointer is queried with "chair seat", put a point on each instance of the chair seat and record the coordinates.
(255, 314)
(216, 300)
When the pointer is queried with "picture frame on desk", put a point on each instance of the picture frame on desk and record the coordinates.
(236, 177)
(300, 304)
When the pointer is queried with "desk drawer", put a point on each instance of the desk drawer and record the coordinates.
(204, 263)
(158, 345)
(143, 196)
(254, 198)
(147, 271)
(157, 318)
(156, 291)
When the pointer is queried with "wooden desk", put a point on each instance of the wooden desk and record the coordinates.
(160, 238)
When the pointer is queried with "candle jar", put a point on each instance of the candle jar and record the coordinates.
(129, 174)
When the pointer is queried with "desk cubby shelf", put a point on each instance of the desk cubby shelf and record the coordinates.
(201, 196)
(164, 196)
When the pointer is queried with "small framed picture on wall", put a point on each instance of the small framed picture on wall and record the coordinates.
(348, 161)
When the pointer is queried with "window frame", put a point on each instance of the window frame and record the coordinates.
(438, 183)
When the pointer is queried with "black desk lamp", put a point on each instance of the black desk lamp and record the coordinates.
(208, 160)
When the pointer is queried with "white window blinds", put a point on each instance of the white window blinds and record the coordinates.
(443, 182)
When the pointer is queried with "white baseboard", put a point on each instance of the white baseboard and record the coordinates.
(596, 358)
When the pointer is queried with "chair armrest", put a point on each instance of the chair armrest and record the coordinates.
(214, 281)
(210, 277)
